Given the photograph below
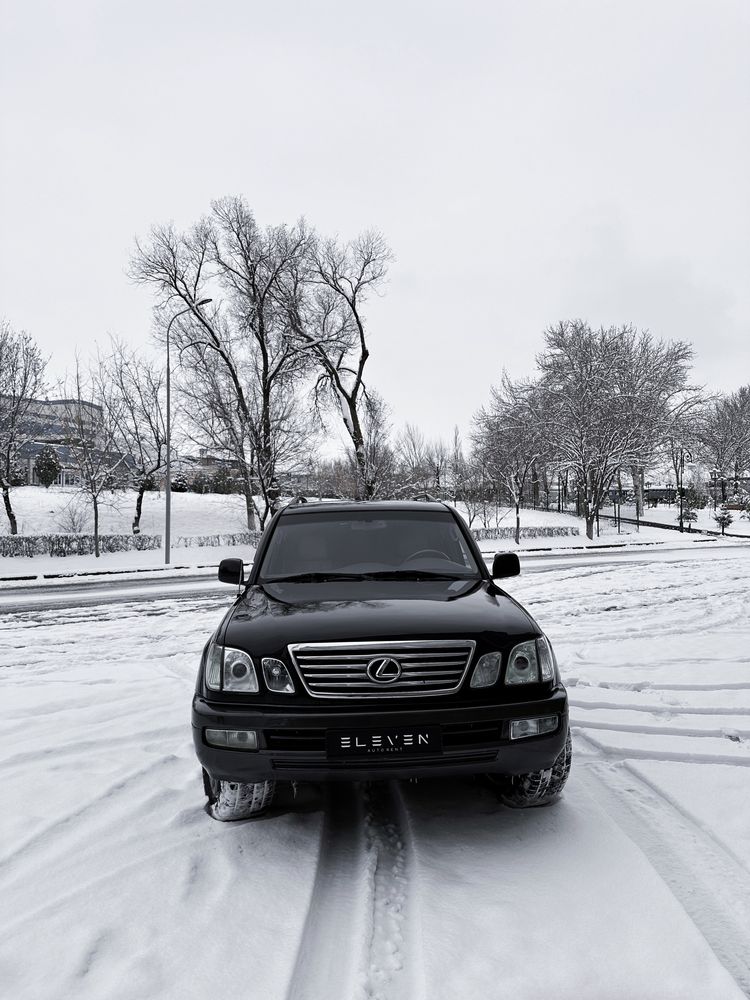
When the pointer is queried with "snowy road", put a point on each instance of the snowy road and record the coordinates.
(116, 884)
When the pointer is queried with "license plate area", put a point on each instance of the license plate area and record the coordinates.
(398, 741)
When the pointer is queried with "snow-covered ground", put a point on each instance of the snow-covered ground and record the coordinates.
(41, 512)
(669, 514)
(116, 884)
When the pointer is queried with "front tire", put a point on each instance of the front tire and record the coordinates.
(233, 800)
(537, 788)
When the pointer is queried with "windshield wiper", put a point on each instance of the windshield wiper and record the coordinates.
(385, 574)
(313, 577)
(416, 574)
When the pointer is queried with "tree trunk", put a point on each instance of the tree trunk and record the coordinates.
(9, 510)
(590, 522)
(96, 527)
(249, 508)
(518, 522)
(637, 475)
(545, 487)
(138, 509)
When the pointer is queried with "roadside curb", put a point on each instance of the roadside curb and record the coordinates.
(83, 575)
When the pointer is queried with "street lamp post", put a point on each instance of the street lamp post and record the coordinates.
(168, 477)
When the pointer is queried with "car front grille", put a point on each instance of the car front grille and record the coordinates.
(351, 669)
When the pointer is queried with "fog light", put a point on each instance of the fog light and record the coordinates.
(235, 739)
(277, 676)
(522, 728)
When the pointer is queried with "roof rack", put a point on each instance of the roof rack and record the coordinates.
(427, 497)
(297, 500)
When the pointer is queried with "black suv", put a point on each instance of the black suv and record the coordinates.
(370, 641)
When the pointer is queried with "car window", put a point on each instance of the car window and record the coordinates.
(368, 542)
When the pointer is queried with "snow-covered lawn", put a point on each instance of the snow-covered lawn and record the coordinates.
(41, 512)
(116, 884)
(669, 515)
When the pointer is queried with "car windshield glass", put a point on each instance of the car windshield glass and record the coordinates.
(397, 544)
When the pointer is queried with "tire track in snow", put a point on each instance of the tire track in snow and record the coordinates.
(708, 882)
(658, 708)
(327, 958)
(653, 686)
(387, 966)
(356, 941)
(618, 753)
(657, 729)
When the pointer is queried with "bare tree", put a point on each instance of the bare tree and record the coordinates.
(411, 451)
(21, 380)
(380, 458)
(471, 494)
(437, 455)
(93, 440)
(511, 439)
(457, 467)
(327, 322)
(245, 336)
(132, 388)
(212, 422)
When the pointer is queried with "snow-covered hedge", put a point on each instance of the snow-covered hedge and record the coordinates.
(496, 533)
(201, 541)
(74, 545)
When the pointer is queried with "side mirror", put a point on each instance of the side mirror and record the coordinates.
(231, 571)
(505, 564)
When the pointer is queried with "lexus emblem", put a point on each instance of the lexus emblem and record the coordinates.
(384, 670)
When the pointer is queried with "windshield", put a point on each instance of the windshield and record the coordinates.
(408, 544)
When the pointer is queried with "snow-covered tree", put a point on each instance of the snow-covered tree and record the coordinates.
(607, 399)
(689, 515)
(47, 466)
(724, 437)
(723, 517)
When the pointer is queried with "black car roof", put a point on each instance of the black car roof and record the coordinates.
(341, 506)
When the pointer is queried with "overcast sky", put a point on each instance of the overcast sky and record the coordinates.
(527, 162)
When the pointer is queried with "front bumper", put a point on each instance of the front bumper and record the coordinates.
(292, 745)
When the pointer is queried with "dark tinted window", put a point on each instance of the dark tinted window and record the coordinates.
(368, 542)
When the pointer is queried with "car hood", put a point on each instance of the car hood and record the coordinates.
(269, 617)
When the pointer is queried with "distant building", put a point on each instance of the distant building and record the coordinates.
(61, 423)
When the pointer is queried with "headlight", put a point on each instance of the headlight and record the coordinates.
(487, 670)
(523, 665)
(239, 672)
(230, 670)
(546, 658)
(277, 676)
(531, 662)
